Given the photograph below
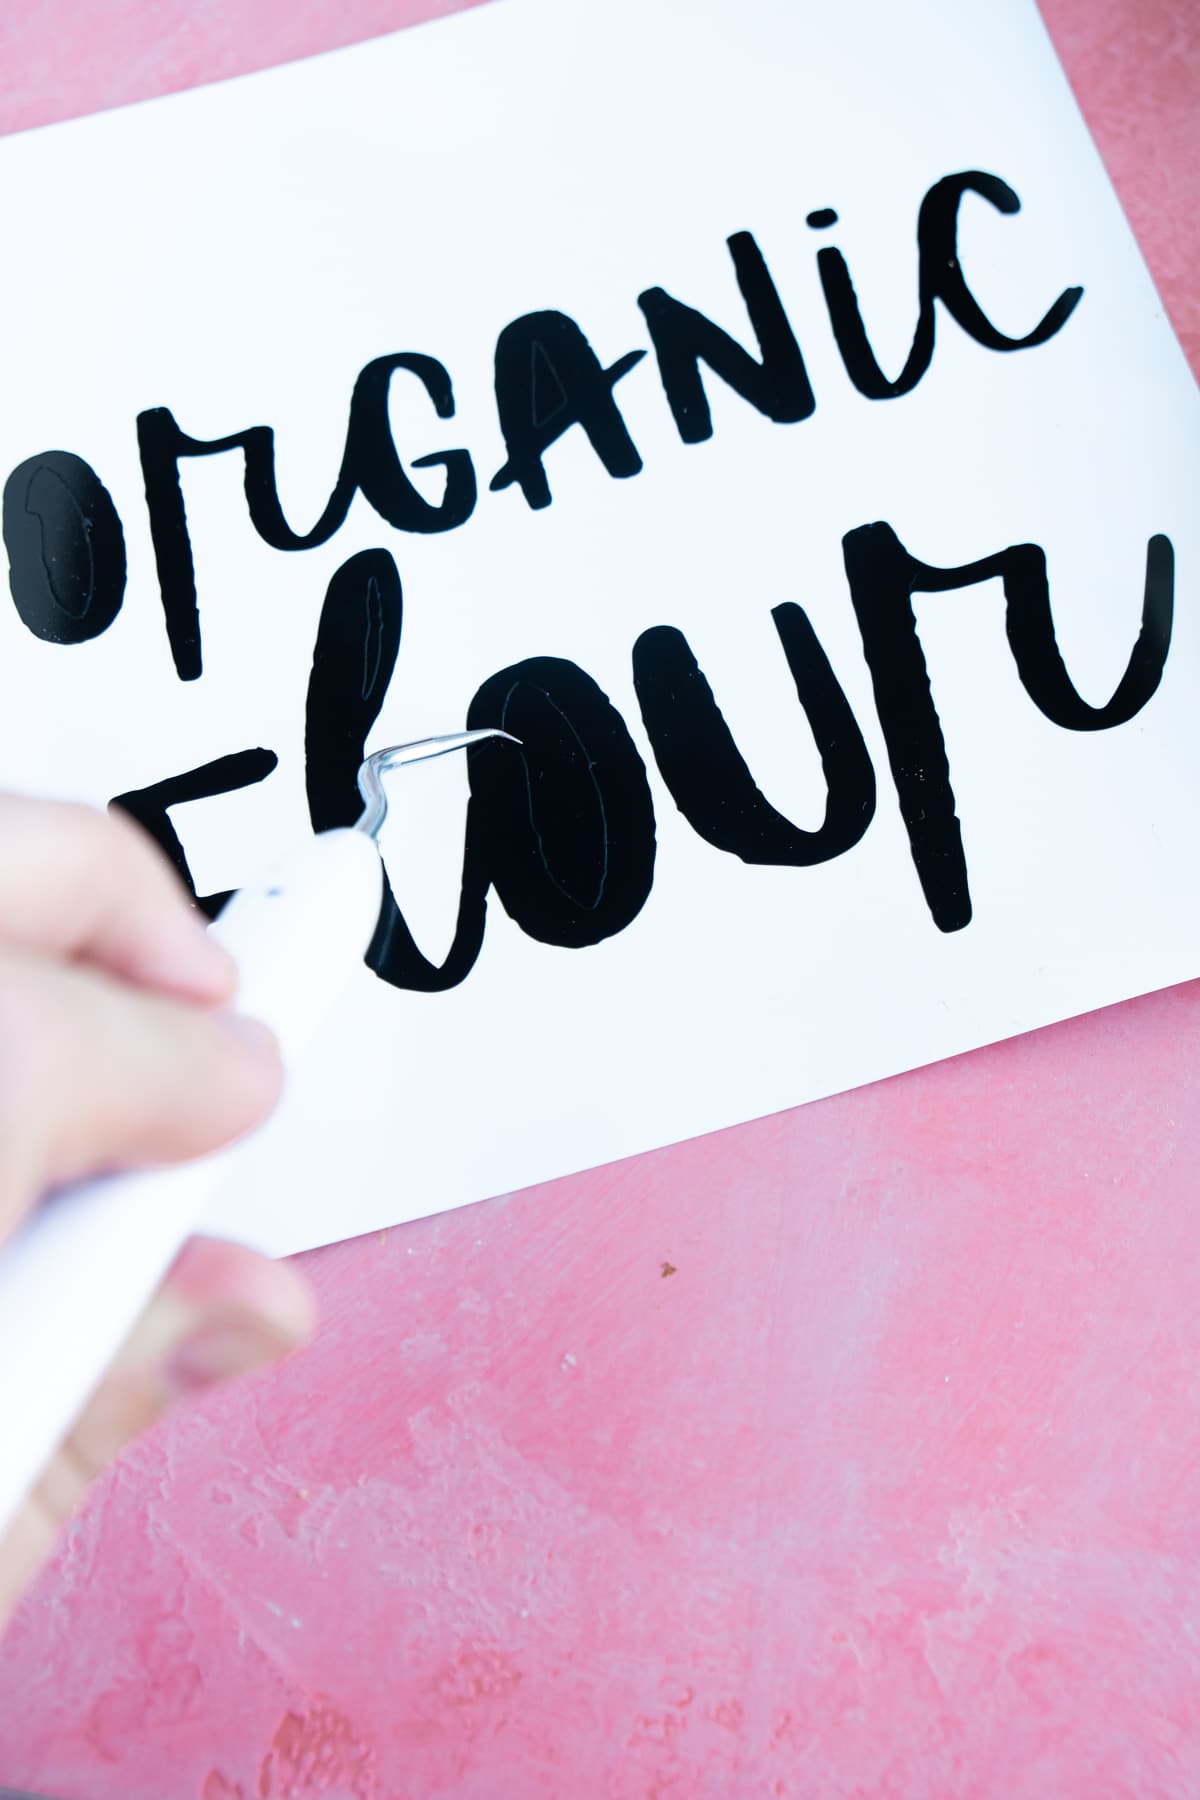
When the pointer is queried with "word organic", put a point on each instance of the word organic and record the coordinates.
(563, 829)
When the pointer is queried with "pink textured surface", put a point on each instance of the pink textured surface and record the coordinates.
(851, 1453)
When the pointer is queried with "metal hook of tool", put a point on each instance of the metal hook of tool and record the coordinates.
(370, 786)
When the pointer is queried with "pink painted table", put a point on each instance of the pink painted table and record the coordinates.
(851, 1453)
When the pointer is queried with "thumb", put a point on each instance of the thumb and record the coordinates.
(221, 1312)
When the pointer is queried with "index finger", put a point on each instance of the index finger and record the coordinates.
(91, 887)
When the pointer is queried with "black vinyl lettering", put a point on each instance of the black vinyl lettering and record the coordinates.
(883, 578)
(940, 277)
(149, 806)
(1029, 623)
(564, 827)
(777, 386)
(370, 465)
(566, 823)
(375, 466)
(66, 549)
(880, 572)
(358, 639)
(706, 773)
(395, 955)
(549, 378)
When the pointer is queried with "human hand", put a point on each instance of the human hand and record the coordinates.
(118, 1047)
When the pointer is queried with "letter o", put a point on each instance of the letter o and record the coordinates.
(66, 549)
(565, 824)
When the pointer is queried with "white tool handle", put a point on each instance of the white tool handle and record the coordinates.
(75, 1276)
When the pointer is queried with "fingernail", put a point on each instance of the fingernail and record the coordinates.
(252, 1034)
(211, 955)
(193, 962)
(219, 1352)
(202, 938)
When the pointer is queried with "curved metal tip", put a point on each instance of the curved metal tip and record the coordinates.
(396, 756)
